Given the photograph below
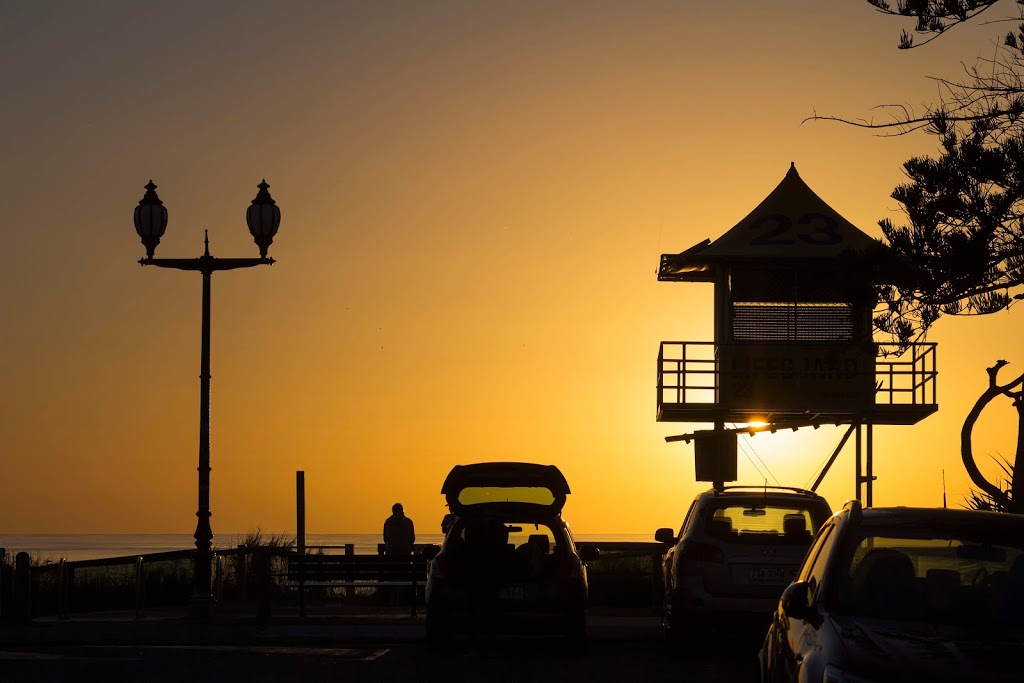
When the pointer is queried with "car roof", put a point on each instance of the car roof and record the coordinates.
(944, 517)
(507, 476)
(770, 492)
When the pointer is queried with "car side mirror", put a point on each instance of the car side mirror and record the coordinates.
(665, 535)
(430, 551)
(589, 553)
(795, 602)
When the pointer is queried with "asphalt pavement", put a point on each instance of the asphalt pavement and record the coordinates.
(374, 645)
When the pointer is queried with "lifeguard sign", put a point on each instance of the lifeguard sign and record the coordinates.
(793, 328)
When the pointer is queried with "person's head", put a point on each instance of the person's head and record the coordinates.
(397, 509)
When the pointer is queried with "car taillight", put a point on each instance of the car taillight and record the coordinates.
(701, 552)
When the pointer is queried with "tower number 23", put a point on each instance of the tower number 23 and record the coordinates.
(811, 228)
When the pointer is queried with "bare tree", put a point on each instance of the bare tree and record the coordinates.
(992, 496)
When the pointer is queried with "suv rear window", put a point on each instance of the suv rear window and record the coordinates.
(475, 495)
(760, 522)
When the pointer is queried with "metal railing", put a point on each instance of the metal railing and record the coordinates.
(907, 380)
(245, 578)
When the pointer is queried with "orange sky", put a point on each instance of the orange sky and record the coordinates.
(474, 197)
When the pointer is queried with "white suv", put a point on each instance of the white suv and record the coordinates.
(737, 549)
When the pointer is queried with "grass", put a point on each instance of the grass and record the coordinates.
(34, 559)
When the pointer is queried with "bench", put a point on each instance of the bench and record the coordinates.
(357, 571)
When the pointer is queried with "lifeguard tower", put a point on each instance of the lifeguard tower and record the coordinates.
(793, 342)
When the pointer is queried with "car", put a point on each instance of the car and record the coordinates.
(737, 549)
(903, 594)
(508, 563)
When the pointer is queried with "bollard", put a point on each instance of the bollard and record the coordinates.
(22, 588)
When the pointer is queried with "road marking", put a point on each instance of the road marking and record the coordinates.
(30, 656)
(269, 649)
(377, 655)
(350, 653)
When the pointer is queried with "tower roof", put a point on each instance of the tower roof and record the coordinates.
(791, 224)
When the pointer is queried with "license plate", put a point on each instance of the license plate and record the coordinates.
(511, 593)
(770, 575)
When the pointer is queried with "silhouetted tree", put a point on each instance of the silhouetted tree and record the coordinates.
(962, 250)
(991, 496)
(933, 16)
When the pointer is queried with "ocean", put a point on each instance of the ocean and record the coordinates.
(93, 546)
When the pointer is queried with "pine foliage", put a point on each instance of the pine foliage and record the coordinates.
(960, 250)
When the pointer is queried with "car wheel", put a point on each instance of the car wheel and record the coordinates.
(676, 630)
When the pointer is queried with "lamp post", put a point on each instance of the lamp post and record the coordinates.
(263, 218)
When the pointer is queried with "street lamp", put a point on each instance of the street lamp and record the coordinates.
(263, 218)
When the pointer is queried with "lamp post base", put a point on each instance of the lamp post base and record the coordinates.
(201, 607)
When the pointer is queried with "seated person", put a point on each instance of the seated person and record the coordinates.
(795, 528)
(720, 527)
(884, 584)
(531, 557)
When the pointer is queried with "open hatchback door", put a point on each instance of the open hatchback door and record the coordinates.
(491, 486)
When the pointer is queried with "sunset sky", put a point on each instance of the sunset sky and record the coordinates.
(474, 198)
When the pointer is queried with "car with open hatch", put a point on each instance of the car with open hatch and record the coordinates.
(737, 549)
(903, 594)
(508, 563)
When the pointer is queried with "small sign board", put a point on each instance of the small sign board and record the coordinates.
(714, 455)
(804, 377)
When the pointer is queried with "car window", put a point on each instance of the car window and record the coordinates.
(816, 567)
(813, 552)
(923, 575)
(476, 495)
(515, 534)
(522, 534)
(687, 518)
(760, 521)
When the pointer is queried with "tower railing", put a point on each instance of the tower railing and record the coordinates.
(690, 386)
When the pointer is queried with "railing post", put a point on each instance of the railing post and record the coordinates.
(218, 577)
(140, 588)
(350, 592)
(892, 384)
(22, 588)
(241, 572)
(415, 584)
(300, 535)
(62, 589)
(300, 559)
(656, 582)
(915, 358)
(5, 582)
